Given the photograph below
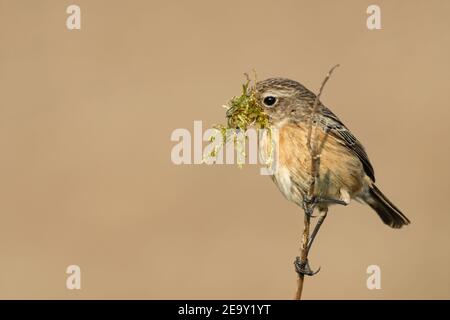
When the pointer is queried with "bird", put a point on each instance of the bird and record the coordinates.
(345, 172)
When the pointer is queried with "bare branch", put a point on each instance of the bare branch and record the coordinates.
(307, 205)
(316, 106)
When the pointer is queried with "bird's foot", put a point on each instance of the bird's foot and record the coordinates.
(304, 268)
(320, 200)
(310, 203)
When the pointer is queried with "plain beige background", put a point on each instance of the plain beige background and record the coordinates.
(86, 176)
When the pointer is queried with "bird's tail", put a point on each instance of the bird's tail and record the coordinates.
(387, 211)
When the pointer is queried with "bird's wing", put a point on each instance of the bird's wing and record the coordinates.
(343, 135)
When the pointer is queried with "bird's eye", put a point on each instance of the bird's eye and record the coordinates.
(269, 101)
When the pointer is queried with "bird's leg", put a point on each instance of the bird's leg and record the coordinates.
(309, 205)
(303, 267)
(301, 263)
(323, 215)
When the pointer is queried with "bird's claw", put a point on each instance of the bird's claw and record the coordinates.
(310, 203)
(304, 268)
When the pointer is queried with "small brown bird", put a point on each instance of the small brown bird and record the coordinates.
(345, 171)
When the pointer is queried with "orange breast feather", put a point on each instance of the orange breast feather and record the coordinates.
(339, 167)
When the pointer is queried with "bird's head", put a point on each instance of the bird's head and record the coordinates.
(267, 103)
(280, 98)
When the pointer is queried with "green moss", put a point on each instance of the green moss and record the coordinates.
(243, 112)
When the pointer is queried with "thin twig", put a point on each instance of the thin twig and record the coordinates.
(303, 255)
(315, 162)
(316, 107)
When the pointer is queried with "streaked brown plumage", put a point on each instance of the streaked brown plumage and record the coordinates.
(345, 171)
